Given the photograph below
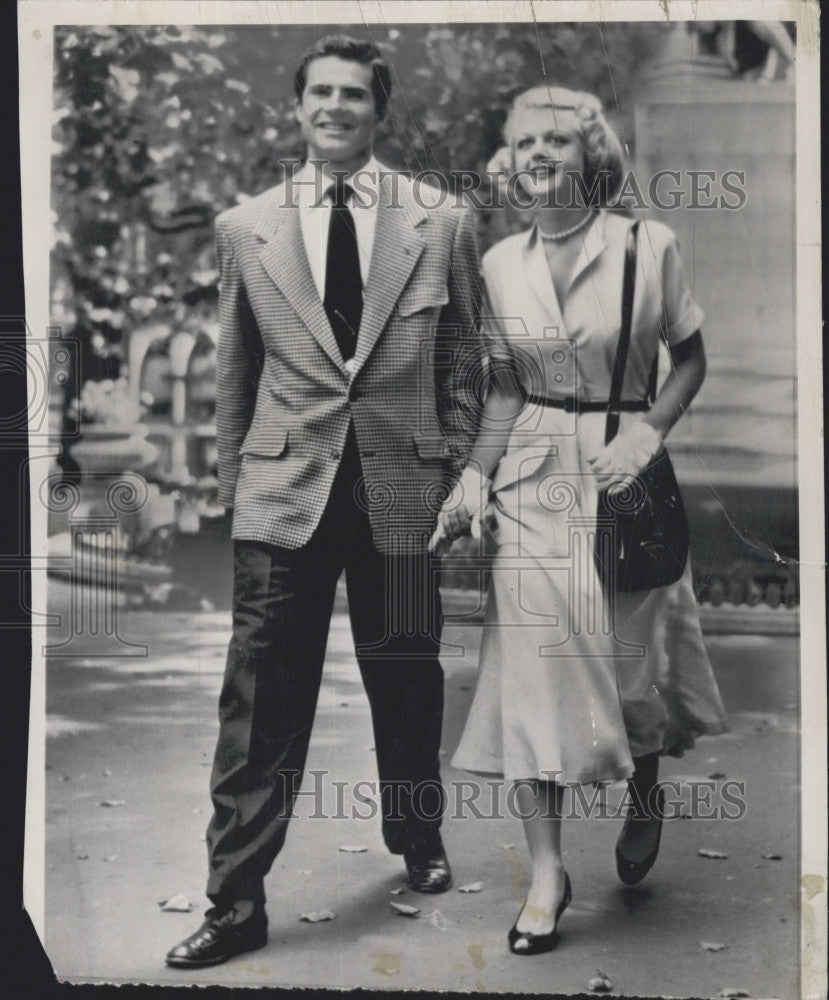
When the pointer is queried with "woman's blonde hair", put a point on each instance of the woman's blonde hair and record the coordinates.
(604, 158)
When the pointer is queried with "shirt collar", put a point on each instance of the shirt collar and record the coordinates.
(311, 185)
(593, 244)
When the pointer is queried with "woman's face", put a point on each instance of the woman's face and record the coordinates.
(547, 146)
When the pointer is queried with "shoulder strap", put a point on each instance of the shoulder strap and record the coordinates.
(628, 286)
(653, 378)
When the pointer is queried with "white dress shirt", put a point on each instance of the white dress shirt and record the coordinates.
(315, 202)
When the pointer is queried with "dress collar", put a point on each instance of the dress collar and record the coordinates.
(592, 245)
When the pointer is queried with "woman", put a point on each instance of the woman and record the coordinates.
(563, 694)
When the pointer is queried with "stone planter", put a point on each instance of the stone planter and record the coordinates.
(112, 449)
(104, 453)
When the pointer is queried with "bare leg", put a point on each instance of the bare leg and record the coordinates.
(781, 47)
(725, 46)
(540, 802)
(774, 34)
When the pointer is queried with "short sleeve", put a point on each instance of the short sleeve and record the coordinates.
(682, 314)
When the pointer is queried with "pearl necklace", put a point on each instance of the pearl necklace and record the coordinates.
(557, 237)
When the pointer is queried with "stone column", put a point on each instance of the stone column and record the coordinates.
(93, 616)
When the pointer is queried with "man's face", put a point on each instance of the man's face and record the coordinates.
(336, 113)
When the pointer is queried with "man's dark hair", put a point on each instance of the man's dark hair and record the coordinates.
(345, 47)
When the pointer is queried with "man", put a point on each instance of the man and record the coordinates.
(345, 406)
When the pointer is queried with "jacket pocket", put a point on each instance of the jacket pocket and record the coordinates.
(267, 442)
(431, 447)
(421, 296)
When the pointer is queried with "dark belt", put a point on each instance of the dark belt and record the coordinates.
(572, 404)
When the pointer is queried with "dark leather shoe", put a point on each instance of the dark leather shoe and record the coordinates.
(632, 872)
(428, 867)
(219, 939)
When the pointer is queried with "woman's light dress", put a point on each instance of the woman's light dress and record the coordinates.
(569, 689)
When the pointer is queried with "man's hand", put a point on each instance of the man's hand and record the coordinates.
(631, 451)
(461, 513)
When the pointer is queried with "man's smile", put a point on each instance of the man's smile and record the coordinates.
(335, 127)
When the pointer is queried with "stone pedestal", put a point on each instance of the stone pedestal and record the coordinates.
(735, 451)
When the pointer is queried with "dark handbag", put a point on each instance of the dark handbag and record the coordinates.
(642, 530)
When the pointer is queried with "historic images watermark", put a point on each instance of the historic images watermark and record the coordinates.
(498, 798)
(666, 190)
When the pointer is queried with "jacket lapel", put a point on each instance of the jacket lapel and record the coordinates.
(538, 277)
(283, 257)
(538, 272)
(397, 248)
(592, 246)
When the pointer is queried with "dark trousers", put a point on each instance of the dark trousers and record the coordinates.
(283, 600)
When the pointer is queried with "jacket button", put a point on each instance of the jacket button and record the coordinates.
(335, 453)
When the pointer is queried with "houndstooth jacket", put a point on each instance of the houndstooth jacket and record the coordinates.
(285, 397)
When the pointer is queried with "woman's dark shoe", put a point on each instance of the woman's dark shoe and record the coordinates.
(527, 943)
(630, 870)
(219, 939)
(428, 867)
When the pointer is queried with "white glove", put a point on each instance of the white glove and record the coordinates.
(462, 510)
(631, 451)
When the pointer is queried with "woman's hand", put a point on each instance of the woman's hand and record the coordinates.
(462, 510)
(631, 451)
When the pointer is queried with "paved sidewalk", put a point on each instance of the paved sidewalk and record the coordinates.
(141, 732)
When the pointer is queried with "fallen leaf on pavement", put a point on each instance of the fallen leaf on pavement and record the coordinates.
(471, 887)
(437, 920)
(177, 904)
(507, 847)
(107, 773)
(772, 857)
(706, 852)
(317, 916)
(83, 856)
(112, 803)
(600, 984)
(734, 991)
(405, 910)
(712, 946)
(353, 848)
(304, 871)
(111, 857)
(398, 892)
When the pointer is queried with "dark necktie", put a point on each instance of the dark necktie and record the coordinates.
(343, 285)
